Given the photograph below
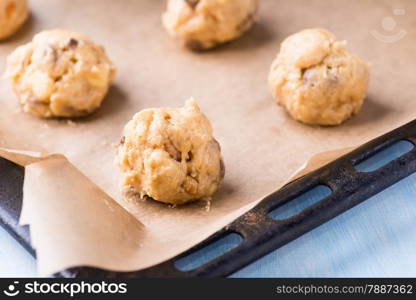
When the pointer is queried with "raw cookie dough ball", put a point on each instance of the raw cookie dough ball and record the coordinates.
(13, 13)
(60, 74)
(202, 24)
(317, 80)
(170, 155)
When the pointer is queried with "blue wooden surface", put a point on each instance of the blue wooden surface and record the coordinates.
(375, 239)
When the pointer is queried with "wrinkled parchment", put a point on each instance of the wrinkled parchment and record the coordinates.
(261, 144)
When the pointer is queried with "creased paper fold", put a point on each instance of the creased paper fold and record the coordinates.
(72, 221)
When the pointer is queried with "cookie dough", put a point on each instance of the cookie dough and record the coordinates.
(60, 74)
(170, 155)
(203, 24)
(13, 13)
(317, 80)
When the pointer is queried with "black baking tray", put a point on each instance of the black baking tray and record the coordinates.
(261, 233)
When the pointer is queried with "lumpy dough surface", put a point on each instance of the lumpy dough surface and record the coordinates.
(317, 80)
(203, 24)
(13, 13)
(60, 74)
(170, 155)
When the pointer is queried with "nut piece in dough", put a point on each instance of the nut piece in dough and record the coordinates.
(13, 13)
(170, 155)
(60, 74)
(203, 24)
(317, 80)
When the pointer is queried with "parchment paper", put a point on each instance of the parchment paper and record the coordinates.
(261, 144)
